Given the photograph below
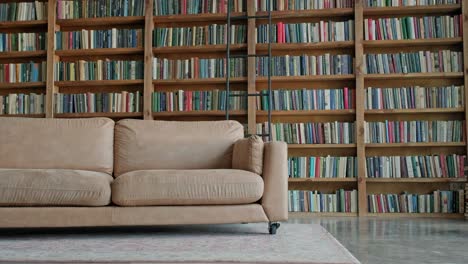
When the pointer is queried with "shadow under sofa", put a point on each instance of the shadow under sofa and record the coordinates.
(95, 172)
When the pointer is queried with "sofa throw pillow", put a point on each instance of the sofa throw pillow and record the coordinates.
(248, 154)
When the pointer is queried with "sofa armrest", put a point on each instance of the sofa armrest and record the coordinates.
(275, 178)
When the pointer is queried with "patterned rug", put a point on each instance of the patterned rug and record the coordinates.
(249, 243)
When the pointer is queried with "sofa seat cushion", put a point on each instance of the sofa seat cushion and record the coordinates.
(187, 187)
(47, 187)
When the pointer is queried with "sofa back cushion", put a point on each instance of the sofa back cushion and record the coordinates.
(153, 145)
(76, 144)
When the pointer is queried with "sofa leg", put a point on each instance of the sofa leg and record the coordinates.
(272, 227)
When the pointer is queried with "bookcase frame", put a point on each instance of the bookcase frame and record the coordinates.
(252, 84)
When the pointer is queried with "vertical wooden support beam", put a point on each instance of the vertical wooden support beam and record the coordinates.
(148, 61)
(465, 59)
(251, 70)
(51, 59)
(359, 72)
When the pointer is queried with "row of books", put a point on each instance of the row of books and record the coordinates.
(308, 99)
(183, 7)
(198, 101)
(466, 201)
(98, 39)
(280, 5)
(306, 32)
(436, 166)
(22, 41)
(98, 70)
(310, 133)
(415, 97)
(16, 104)
(436, 202)
(23, 11)
(71, 9)
(197, 68)
(126, 102)
(322, 167)
(23, 72)
(213, 34)
(413, 62)
(413, 27)
(303, 65)
(342, 201)
(414, 131)
(389, 3)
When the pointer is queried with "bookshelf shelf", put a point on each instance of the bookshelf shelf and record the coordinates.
(321, 146)
(199, 113)
(416, 145)
(442, 42)
(322, 180)
(417, 215)
(413, 111)
(347, 112)
(301, 48)
(22, 85)
(110, 115)
(305, 14)
(71, 84)
(208, 81)
(412, 10)
(311, 214)
(403, 76)
(107, 22)
(415, 180)
(25, 115)
(23, 54)
(219, 18)
(193, 50)
(99, 52)
(306, 79)
(33, 25)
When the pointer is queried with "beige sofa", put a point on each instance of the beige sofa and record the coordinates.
(94, 172)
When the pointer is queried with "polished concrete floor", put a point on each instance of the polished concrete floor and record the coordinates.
(401, 240)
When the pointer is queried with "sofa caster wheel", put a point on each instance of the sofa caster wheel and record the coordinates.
(272, 227)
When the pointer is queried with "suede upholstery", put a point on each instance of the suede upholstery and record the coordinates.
(187, 187)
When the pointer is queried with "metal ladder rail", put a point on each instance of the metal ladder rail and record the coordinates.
(228, 66)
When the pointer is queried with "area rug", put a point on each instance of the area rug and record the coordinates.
(248, 243)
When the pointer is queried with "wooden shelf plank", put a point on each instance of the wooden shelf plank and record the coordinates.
(195, 18)
(412, 42)
(312, 13)
(199, 113)
(24, 115)
(198, 49)
(23, 54)
(413, 111)
(415, 145)
(331, 45)
(412, 10)
(306, 79)
(417, 215)
(22, 85)
(16, 25)
(98, 83)
(415, 180)
(102, 21)
(322, 180)
(398, 76)
(206, 81)
(99, 52)
(310, 214)
(321, 146)
(110, 115)
(308, 112)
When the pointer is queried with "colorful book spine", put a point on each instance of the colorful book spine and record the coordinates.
(124, 102)
(327, 64)
(213, 34)
(449, 202)
(98, 39)
(413, 27)
(23, 72)
(98, 70)
(394, 3)
(307, 32)
(191, 7)
(415, 97)
(198, 101)
(197, 68)
(310, 133)
(304, 99)
(283, 5)
(22, 41)
(415, 62)
(18, 104)
(322, 167)
(342, 201)
(72, 9)
(23, 11)
(414, 131)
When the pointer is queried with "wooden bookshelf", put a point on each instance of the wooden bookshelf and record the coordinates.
(253, 84)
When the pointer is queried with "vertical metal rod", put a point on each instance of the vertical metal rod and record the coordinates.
(270, 38)
(228, 60)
